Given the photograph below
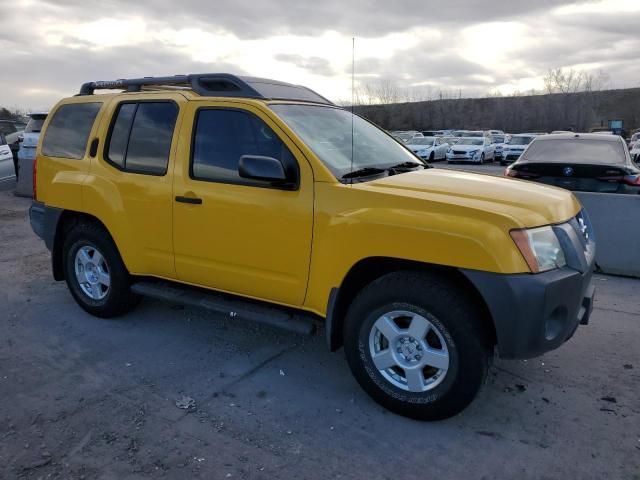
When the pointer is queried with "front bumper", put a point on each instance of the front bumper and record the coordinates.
(462, 159)
(536, 313)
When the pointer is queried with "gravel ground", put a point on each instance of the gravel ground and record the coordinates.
(82, 397)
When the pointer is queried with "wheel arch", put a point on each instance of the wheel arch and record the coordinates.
(369, 269)
(66, 222)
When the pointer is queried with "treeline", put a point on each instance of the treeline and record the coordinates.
(578, 111)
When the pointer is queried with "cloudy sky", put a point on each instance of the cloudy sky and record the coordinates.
(50, 47)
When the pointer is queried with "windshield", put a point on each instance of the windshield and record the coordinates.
(470, 141)
(422, 141)
(450, 140)
(520, 140)
(327, 131)
(34, 125)
(472, 134)
(575, 151)
(405, 136)
(498, 139)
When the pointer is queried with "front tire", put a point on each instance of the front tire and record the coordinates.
(414, 343)
(95, 274)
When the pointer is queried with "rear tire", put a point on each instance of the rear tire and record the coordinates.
(95, 274)
(402, 378)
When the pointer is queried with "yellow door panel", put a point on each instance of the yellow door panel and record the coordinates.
(135, 207)
(243, 239)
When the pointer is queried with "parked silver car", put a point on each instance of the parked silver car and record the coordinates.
(7, 168)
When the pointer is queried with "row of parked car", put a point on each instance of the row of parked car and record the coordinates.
(593, 162)
(18, 141)
(465, 146)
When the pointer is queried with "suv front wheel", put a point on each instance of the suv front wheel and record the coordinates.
(95, 273)
(415, 344)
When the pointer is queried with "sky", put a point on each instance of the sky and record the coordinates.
(49, 48)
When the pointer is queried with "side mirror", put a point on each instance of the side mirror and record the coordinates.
(257, 167)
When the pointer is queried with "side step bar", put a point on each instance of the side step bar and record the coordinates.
(234, 307)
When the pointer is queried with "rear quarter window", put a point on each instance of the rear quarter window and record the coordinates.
(69, 129)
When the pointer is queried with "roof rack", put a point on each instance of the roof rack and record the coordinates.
(213, 85)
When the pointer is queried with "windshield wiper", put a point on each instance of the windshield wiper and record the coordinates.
(407, 165)
(364, 172)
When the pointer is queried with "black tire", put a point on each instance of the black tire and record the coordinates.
(119, 299)
(456, 318)
(432, 157)
(481, 159)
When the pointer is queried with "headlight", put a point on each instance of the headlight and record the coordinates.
(540, 248)
(449, 150)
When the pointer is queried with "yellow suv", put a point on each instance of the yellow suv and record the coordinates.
(264, 201)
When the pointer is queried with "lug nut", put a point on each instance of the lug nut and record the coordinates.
(418, 357)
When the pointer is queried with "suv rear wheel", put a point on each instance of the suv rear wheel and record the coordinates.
(415, 344)
(95, 273)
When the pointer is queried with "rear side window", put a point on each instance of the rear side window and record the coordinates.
(223, 136)
(140, 138)
(69, 129)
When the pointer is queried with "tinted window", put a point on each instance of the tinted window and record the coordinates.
(576, 151)
(223, 136)
(120, 133)
(141, 137)
(68, 131)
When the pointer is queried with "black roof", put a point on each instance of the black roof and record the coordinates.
(214, 85)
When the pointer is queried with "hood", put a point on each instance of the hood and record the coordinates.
(466, 148)
(414, 148)
(30, 140)
(526, 204)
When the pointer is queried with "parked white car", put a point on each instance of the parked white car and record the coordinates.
(7, 168)
(498, 141)
(515, 146)
(429, 148)
(471, 149)
(635, 152)
(634, 138)
(472, 133)
(405, 136)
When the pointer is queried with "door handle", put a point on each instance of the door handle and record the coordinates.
(191, 200)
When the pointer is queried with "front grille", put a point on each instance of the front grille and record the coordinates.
(459, 152)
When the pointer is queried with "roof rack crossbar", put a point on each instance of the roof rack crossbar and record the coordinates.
(212, 84)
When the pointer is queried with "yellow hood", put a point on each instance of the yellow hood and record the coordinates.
(528, 204)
